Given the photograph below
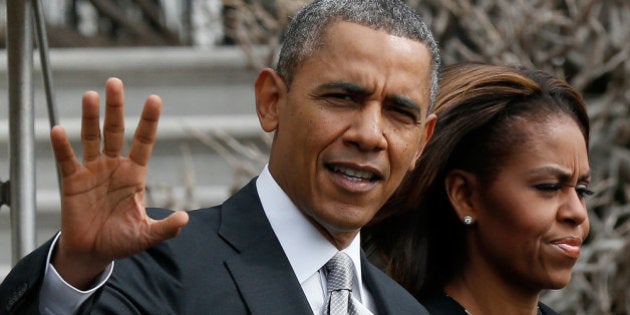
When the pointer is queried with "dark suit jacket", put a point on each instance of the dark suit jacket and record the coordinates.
(227, 260)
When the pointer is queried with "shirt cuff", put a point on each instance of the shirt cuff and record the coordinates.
(56, 296)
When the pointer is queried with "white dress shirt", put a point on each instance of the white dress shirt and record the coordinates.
(305, 247)
(56, 296)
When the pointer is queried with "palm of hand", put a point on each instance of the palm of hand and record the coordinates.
(105, 202)
(102, 202)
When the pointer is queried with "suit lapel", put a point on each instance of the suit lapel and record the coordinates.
(388, 296)
(261, 270)
(380, 285)
(371, 281)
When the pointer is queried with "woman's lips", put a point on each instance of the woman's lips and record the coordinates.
(570, 246)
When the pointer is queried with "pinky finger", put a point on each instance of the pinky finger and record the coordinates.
(63, 151)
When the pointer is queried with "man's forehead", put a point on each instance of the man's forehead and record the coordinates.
(406, 76)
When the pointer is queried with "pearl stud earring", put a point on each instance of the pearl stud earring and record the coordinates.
(468, 220)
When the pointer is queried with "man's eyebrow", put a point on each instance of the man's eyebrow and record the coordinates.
(349, 87)
(359, 90)
(404, 102)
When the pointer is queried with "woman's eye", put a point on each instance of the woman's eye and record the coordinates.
(583, 191)
(548, 187)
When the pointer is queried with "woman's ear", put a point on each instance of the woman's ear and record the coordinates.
(460, 189)
(270, 91)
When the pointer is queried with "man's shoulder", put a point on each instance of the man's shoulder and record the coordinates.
(208, 218)
(20, 289)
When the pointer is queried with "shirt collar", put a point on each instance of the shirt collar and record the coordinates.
(295, 232)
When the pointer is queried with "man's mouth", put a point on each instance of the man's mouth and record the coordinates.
(354, 174)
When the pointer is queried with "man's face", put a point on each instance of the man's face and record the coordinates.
(350, 126)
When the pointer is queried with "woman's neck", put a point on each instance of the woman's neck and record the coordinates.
(483, 292)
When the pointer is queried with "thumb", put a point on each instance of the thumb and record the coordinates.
(170, 226)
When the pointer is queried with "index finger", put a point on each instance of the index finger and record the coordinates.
(145, 135)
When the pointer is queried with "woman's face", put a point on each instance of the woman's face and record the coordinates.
(531, 219)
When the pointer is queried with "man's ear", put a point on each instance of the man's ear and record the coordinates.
(428, 128)
(460, 189)
(270, 91)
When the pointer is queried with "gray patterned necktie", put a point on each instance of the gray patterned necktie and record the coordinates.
(340, 277)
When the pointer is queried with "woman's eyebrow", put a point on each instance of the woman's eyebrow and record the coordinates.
(561, 174)
(586, 177)
(553, 170)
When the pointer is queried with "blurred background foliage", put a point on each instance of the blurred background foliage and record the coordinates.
(586, 42)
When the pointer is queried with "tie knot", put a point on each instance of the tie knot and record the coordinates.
(340, 274)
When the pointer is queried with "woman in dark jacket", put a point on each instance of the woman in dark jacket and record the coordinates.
(494, 212)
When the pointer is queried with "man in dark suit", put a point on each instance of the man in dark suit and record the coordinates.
(349, 106)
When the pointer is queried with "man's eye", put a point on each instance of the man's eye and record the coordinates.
(404, 115)
(340, 96)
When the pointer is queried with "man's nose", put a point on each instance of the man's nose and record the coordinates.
(367, 129)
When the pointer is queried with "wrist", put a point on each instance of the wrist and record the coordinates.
(77, 269)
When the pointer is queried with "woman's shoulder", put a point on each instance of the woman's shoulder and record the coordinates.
(446, 305)
(443, 304)
(546, 310)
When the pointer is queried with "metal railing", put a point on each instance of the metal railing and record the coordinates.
(19, 192)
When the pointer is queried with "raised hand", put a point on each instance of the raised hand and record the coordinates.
(102, 199)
